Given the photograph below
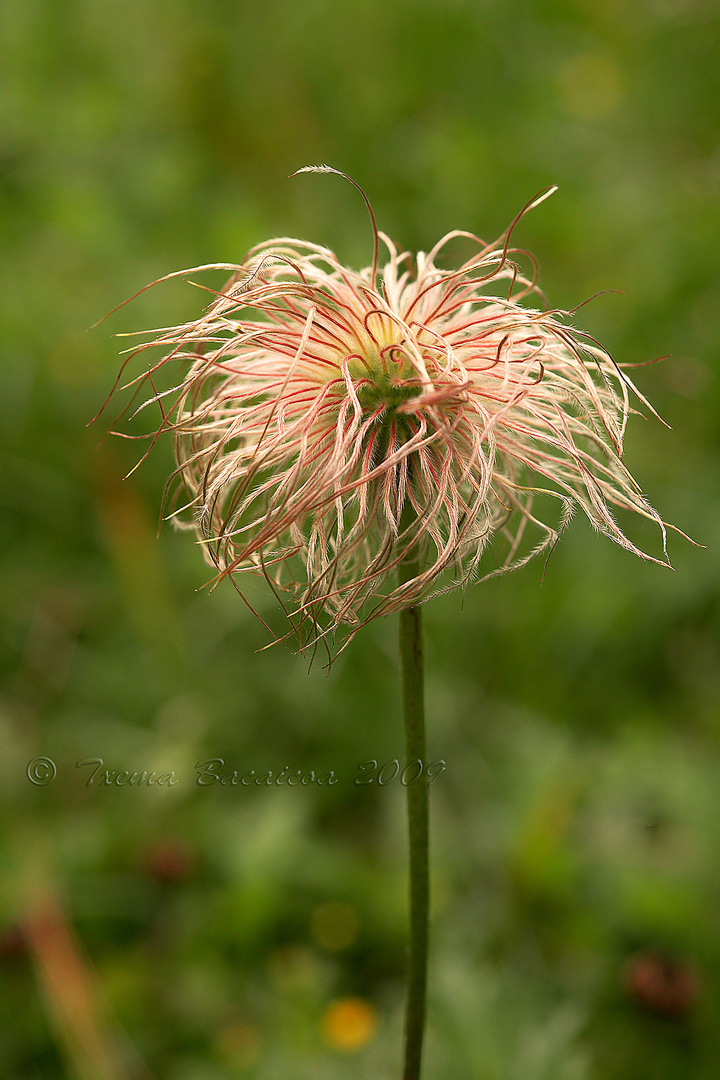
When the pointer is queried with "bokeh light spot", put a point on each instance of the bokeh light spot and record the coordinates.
(349, 1024)
(591, 85)
(238, 1045)
(334, 925)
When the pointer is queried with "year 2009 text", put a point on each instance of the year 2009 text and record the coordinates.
(370, 772)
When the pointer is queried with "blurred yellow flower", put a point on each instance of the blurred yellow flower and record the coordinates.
(349, 1024)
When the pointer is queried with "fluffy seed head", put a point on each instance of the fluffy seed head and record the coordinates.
(334, 425)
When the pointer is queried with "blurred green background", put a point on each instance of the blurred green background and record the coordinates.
(259, 933)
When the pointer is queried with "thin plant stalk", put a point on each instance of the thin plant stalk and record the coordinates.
(411, 660)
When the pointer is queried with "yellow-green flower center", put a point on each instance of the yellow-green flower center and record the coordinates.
(384, 382)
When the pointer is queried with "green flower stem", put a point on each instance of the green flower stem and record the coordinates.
(411, 659)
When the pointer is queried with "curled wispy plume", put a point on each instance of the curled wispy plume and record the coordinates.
(333, 424)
